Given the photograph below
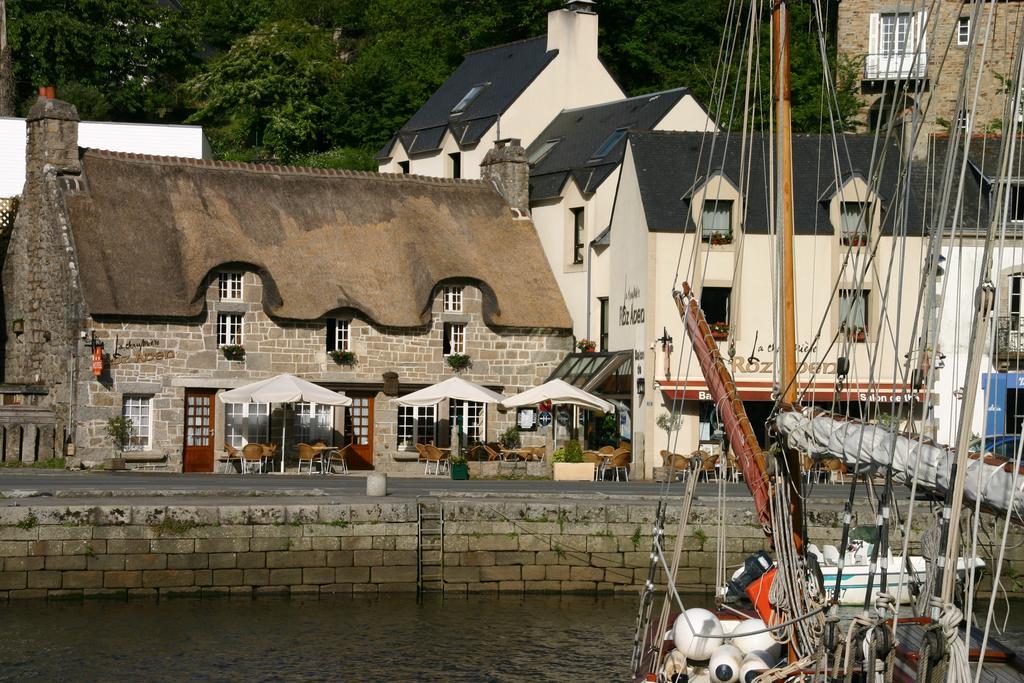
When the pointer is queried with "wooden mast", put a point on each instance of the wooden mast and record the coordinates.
(784, 225)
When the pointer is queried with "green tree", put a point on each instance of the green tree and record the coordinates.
(133, 52)
(271, 89)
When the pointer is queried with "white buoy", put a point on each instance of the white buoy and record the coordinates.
(724, 666)
(752, 666)
(755, 642)
(691, 642)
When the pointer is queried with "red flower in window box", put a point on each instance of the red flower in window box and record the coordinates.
(719, 331)
(855, 334)
(586, 345)
(856, 240)
(718, 239)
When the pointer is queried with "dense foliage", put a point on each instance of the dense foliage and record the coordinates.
(328, 81)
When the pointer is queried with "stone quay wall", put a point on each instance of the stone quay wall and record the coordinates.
(245, 550)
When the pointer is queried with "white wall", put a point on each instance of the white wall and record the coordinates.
(137, 138)
(956, 292)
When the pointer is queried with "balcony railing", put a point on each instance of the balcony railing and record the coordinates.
(1009, 336)
(894, 66)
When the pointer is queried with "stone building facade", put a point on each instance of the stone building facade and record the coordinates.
(129, 276)
(902, 55)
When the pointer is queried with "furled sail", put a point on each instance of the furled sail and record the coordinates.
(872, 449)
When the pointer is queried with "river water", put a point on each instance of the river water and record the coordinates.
(388, 638)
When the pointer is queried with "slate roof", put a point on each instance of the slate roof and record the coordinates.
(581, 131)
(671, 164)
(507, 69)
(149, 230)
(979, 180)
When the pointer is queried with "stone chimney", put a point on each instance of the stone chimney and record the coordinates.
(52, 135)
(507, 167)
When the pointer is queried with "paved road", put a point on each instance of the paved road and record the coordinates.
(149, 484)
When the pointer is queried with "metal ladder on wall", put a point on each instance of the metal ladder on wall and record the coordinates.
(430, 544)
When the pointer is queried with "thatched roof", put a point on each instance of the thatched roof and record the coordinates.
(149, 230)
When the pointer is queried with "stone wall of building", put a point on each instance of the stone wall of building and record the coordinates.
(160, 358)
(42, 302)
(136, 551)
(944, 67)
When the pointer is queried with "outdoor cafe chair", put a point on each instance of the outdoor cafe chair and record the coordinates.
(620, 463)
(595, 457)
(492, 454)
(252, 458)
(310, 456)
(340, 456)
(269, 454)
(435, 457)
(708, 466)
(232, 456)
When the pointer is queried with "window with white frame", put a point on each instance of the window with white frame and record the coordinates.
(138, 409)
(453, 299)
(854, 219)
(853, 312)
(963, 30)
(246, 423)
(230, 286)
(897, 45)
(471, 417)
(229, 329)
(578, 233)
(963, 121)
(416, 424)
(339, 334)
(313, 422)
(454, 338)
(1016, 191)
(716, 218)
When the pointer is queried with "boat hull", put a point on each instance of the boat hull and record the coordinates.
(854, 584)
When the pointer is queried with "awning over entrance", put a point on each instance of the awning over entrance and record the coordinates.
(608, 374)
(810, 392)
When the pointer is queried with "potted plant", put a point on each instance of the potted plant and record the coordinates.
(459, 467)
(458, 361)
(119, 430)
(586, 345)
(569, 464)
(719, 331)
(857, 239)
(343, 357)
(670, 422)
(510, 438)
(719, 239)
(233, 351)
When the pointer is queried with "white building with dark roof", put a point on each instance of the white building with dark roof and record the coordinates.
(507, 91)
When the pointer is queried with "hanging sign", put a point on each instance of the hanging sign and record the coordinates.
(97, 361)
(563, 418)
(544, 418)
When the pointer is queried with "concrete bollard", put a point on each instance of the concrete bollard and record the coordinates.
(377, 484)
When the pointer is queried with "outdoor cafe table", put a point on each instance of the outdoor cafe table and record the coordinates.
(325, 452)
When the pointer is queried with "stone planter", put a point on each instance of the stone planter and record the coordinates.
(574, 471)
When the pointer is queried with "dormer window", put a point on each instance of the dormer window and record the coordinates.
(453, 299)
(230, 287)
(609, 144)
(716, 220)
(469, 98)
(538, 154)
(854, 219)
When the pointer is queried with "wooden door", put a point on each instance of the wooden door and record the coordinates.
(359, 432)
(199, 409)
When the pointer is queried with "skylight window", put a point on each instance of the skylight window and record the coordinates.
(469, 98)
(543, 150)
(609, 144)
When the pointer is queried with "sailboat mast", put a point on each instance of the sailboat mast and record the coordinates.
(784, 225)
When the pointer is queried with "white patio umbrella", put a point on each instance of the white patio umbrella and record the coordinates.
(559, 392)
(453, 387)
(284, 389)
